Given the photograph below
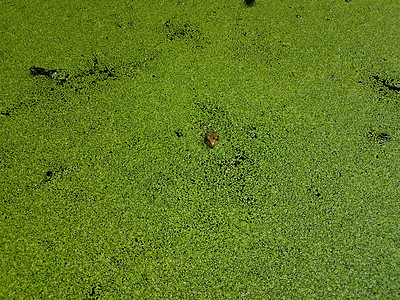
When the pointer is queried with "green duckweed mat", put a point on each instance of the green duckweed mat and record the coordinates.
(109, 192)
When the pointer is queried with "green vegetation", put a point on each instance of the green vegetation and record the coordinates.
(109, 192)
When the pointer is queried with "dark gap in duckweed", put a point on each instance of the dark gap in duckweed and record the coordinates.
(312, 189)
(174, 29)
(249, 2)
(132, 142)
(178, 133)
(378, 136)
(250, 201)
(96, 72)
(10, 110)
(54, 174)
(42, 71)
(95, 291)
(236, 160)
(385, 85)
(49, 244)
(252, 133)
(384, 136)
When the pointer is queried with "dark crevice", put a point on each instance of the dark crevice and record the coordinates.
(386, 83)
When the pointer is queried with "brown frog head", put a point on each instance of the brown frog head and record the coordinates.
(211, 138)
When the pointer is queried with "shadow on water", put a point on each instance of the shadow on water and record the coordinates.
(249, 2)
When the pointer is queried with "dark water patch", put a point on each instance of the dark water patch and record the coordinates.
(56, 173)
(249, 2)
(385, 85)
(179, 30)
(42, 71)
(96, 291)
(252, 133)
(314, 191)
(56, 84)
(95, 72)
(378, 135)
(238, 159)
(175, 29)
(178, 133)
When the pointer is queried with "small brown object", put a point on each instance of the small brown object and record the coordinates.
(211, 139)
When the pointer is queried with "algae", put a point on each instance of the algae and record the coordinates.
(109, 191)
